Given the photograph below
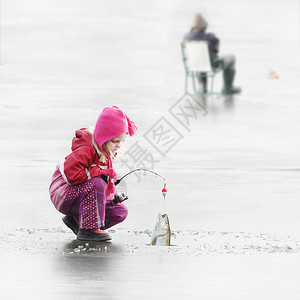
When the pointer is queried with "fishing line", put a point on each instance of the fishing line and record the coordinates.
(164, 189)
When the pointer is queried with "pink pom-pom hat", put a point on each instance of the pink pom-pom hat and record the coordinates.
(111, 123)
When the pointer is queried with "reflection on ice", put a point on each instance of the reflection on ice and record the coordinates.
(96, 248)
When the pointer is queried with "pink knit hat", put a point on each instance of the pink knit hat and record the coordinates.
(111, 123)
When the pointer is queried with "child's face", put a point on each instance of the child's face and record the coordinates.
(115, 144)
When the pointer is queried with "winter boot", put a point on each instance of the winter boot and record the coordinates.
(228, 89)
(71, 222)
(96, 235)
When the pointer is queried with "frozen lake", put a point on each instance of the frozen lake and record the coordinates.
(233, 177)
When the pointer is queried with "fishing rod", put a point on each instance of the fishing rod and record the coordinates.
(136, 170)
(164, 190)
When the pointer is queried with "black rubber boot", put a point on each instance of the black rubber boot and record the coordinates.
(71, 223)
(88, 235)
(229, 75)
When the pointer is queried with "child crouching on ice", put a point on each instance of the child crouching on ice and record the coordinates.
(82, 185)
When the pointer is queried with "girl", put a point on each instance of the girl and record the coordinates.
(82, 186)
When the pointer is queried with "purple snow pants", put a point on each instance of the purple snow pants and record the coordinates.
(87, 203)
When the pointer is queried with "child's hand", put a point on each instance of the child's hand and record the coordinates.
(109, 172)
(120, 198)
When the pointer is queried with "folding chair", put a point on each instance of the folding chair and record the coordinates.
(198, 62)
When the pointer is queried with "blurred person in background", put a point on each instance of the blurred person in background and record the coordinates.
(198, 33)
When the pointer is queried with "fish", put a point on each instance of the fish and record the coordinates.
(161, 235)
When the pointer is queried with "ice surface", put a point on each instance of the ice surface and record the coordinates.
(233, 180)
